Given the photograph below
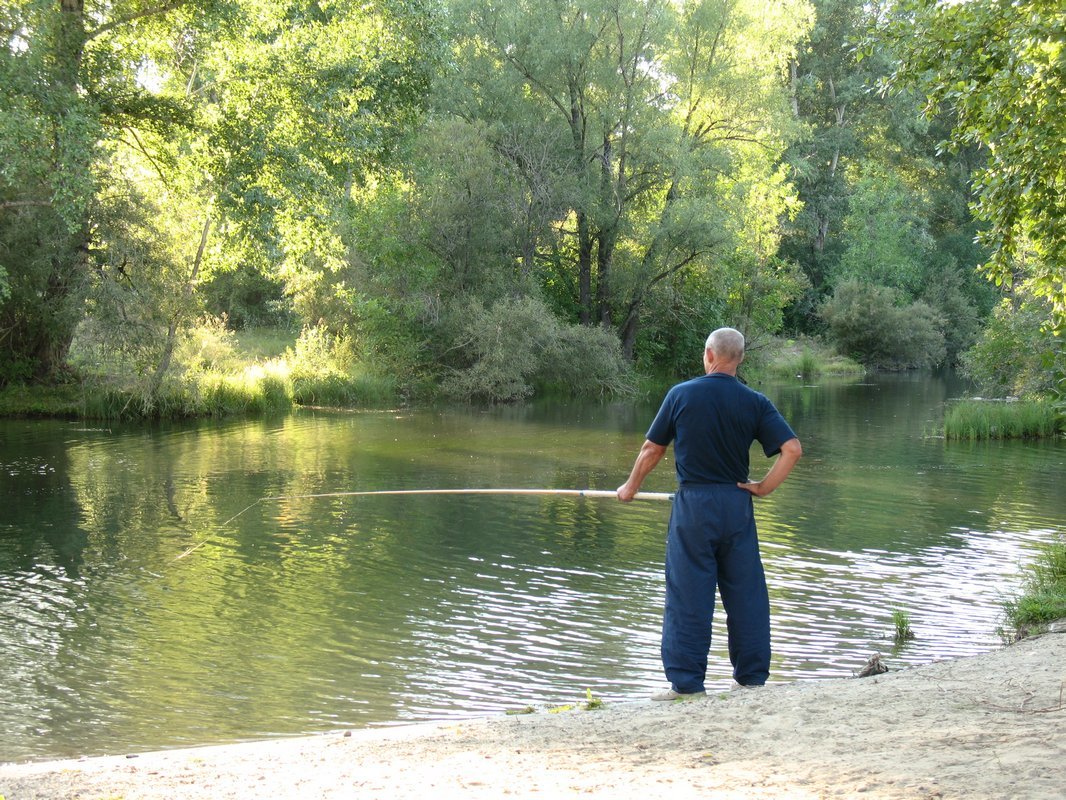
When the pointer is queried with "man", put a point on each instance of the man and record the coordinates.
(712, 542)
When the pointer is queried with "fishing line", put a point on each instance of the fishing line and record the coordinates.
(604, 493)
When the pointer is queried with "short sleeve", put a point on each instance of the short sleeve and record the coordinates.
(663, 428)
(773, 430)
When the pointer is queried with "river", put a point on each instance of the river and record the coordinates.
(150, 597)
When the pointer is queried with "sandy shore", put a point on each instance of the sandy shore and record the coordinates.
(992, 726)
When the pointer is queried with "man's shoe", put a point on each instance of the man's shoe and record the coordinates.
(670, 695)
(743, 686)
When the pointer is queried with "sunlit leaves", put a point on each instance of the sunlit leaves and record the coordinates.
(1001, 67)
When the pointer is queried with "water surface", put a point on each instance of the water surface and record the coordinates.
(150, 598)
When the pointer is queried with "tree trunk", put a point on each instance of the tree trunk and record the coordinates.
(834, 163)
(179, 313)
(604, 261)
(71, 175)
(584, 268)
(629, 335)
(606, 239)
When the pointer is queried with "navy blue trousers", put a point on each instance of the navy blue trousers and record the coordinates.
(712, 544)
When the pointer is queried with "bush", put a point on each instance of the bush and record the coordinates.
(508, 348)
(584, 361)
(1015, 353)
(1043, 598)
(869, 323)
(325, 372)
(209, 344)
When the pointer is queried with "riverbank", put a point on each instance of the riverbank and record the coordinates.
(990, 726)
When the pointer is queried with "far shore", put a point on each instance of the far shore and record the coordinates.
(989, 726)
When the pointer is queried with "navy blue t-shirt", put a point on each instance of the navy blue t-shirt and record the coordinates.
(712, 421)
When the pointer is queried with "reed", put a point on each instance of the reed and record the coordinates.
(902, 622)
(1043, 596)
(335, 389)
(993, 419)
(809, 359)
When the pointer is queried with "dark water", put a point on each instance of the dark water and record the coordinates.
(305, 615)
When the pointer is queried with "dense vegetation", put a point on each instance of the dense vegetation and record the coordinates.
(486, 199)
(1043, 596)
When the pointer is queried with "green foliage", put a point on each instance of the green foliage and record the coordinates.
(130, 133)
(264, 344)
(886, 240)
(33, 400)
(645, 134)
(1043, 598)
(991, 419)
(325, 371)
(591, 703)
(515, 344)
(998, 67)
(872, 325)
(1015, 354)
(583, 361)
(901, 621)
(247, 297)
(946, 294)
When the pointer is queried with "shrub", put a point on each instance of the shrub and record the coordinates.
(1043, 597)
(209, 344)
(1014, 354)
(500, 349)
(870, 324)
(584, 361)
(515, 344)
(325, 372)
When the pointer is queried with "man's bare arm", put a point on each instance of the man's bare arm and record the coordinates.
(649, 456)
(791, 451)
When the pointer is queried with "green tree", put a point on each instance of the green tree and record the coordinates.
(829, 88)
(69, 87)
(668, 121)
(881, 201)
(242, 125)
(1001, 67)
(885, 236)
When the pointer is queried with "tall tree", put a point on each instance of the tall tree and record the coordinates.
(70, 88)
(1000, 65)
(671, 117)
(243, 124)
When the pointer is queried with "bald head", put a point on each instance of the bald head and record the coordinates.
(727, 344)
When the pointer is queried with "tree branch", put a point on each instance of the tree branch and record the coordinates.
(23, 203)
(138, 145)
(162, 8)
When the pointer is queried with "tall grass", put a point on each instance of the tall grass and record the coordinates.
(993, 419)
(339, 390)
(1043, 597)
(214, 376)
(809, 359)
(901, 620)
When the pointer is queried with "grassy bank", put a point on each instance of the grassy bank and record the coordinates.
(1043, 597)
(999, 419)
(258, 389)
(220, 374)
(808, 359)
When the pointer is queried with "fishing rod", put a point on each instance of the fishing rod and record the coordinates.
(599, 493)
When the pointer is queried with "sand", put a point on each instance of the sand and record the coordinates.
(990, 726)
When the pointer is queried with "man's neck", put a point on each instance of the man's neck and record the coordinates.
(722, 369)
